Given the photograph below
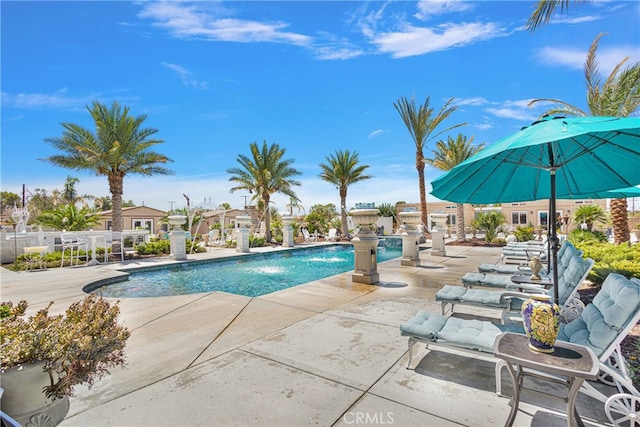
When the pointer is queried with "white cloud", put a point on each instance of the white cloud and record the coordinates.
(574, 58)
(574, 20)
(375, 133)
(198, 20)
(185, 76)
(336, 53)
(475, 101)
(412, 41)
(429, 8)
(516, 110)
(55, 100)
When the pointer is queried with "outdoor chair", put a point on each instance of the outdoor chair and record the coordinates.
(72, 242)
(524, 267)
(601, 326)
(115, 241)
(510, 301)
(307, 237)
(112, 244)
(332, 236)
(565, 254)
(214, 238)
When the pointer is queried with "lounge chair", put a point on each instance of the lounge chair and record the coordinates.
(510, 302)
(601, 326)
(523, 267)
(501, 281)
(332, 236)
(307, 237)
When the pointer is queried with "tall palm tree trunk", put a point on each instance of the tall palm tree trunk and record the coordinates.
(460, 234)
(115, 188)
(423, 194)
(267, 218)
(343, 214)
(619, 220)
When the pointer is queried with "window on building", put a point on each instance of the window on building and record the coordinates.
(519, 218)
(142, 224)
(543, 219)
(451, 219)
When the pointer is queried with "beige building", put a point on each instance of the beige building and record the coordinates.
(135, 218)
(516, 214)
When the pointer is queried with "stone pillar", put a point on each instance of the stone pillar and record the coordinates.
(177, 238)
(365, 245)
(438, 233)
(242, 242)
(410, 236)
(287, 232)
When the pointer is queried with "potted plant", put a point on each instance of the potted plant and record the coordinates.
(45, 356)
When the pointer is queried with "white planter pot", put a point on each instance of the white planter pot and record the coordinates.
(24, 400)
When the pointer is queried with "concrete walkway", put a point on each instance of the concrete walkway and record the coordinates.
(324, 353)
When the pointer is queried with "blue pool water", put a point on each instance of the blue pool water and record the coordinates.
(251, 275)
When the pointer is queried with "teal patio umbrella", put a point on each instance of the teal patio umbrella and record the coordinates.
(620, 193)
(552, 158)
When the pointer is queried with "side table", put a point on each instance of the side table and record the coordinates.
(576, 363)
(524, 278)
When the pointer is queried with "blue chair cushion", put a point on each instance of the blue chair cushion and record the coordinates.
(498, 268)
(450, 293)
(487, 280)
(473, 334)
(599, 324)
(423, 325)
(484, 297)
(571, 276)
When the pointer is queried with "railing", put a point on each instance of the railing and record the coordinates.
(12, 243)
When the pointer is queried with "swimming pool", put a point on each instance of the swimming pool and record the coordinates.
(251, 275)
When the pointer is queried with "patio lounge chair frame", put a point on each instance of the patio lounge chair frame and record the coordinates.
(510, 302)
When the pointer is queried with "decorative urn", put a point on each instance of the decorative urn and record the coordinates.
(365, 215)
(175, 221)
(540, 318)
(536, 266)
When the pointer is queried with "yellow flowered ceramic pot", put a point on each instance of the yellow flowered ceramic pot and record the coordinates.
(540, 318)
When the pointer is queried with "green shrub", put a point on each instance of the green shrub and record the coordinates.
(610, 258)
(194, 247)
(157, 247)
(257, 241)
(524, 234)
(578, 235)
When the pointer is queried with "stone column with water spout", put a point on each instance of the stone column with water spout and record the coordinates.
(177, 237)
(438, 233)
(287, 231)
(410, 236)
(365, 245)
(242, 243)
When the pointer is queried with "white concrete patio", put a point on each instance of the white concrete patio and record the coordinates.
(325, 353)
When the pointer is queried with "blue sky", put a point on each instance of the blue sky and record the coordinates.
(313, 77)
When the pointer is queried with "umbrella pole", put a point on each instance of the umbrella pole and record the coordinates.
(553, 241)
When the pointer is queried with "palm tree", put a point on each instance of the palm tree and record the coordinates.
(421, 124)
(618, 96)
(70, 194)
(445, 157)
(545, 9)
(120, 146)
(68, 217)
(589, 215)
(342, 170)
(265, 173)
